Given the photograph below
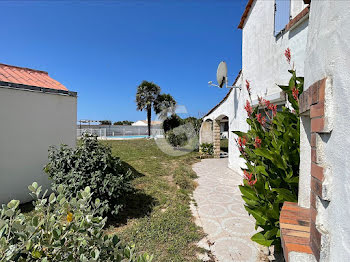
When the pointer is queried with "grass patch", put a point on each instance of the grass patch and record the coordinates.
(224, 145)
(158, 218)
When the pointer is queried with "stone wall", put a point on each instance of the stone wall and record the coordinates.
(216, 144)
(206, 132)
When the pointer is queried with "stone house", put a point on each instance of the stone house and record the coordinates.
(316, 228)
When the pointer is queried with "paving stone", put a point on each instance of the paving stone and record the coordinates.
(220, 212)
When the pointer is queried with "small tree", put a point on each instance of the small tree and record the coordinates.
(123, 123)
(171, 122)
(106, 122)
(165, 104)
(196, 123)
(146, 95)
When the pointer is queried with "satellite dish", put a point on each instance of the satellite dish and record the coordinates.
(221, 77)
(221, 74)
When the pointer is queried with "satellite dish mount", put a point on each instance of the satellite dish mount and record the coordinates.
(221, 77)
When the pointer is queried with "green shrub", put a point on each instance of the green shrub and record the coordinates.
(271, 150)
(207, 148)
(59, 230)
(176, 138)
(90, 164)
(172, 122)
(195, 122)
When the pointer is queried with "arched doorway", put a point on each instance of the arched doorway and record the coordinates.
(206, 132)
(221, 136)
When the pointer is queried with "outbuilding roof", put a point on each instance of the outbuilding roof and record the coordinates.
(28, 77)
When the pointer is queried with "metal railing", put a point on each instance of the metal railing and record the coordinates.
(120, 131)
(100, 132)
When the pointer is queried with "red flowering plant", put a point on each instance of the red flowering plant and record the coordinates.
(271, 151)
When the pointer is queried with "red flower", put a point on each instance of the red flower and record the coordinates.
(242, 141)
(257, 143)
(248, 108)
(287, 55)
(261, 120)
(295, 92)
(269, 106)
(258, 117)
(266, 103)
(248, 86)
(273, 108)
(248, 177)
(252, 183)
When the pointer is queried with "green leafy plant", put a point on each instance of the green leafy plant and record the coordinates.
(207, 149)
(60, 230)
(91, 164)
(271, 149)
(176, 138)
(171, 122)
(195, 122)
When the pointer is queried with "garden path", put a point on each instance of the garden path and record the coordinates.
(220, 212)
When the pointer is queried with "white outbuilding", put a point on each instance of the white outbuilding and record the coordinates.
(36, 112)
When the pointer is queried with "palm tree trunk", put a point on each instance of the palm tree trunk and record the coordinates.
(149, 113)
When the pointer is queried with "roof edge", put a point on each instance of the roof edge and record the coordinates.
(25, 68)
(37, 89)
(245, 13)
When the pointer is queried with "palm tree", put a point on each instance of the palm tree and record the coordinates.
(146, 95)
(164, 105)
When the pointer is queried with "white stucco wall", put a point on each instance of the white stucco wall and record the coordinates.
(264, 65)
(234, 110)
(329, 56)
(30, 123)
(263, 61)
(296, 6)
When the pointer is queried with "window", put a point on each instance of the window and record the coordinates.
(282, 15)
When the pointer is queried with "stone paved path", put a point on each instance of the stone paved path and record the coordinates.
(219, 211)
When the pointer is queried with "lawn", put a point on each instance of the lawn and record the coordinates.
(158, 219)
(224, 144)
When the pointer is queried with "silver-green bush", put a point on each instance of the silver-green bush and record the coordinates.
(60, 230)
(91, 164)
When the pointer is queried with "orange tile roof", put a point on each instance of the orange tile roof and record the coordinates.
(28, 77)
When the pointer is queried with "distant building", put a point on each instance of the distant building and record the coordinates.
(145, 123)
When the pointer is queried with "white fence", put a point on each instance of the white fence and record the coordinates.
(101, 132)
(120, 131)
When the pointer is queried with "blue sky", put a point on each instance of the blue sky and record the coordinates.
(104, 49)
